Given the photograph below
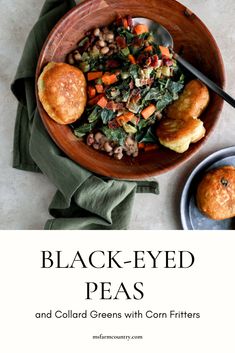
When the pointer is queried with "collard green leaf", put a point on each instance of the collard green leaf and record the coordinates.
(106, 115)
(148, 136)
(153, 94)
(175, 87)
(119, 92)
(83, 41)
(134, 71)
(143, 123)
(118, 135)
(125, 51)
(143, 35)
(162, 84)
(125, 95)
(84, 129)
(94, 115)
(126, 33)
(164, 101)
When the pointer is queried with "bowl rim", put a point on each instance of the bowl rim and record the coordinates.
(122, 174)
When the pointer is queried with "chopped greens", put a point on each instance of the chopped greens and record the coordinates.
(118, 135)
(147, 136)
(125, 51)
(126, 34)
(130, 81)
(152, 94)
(84, 129)
(83, 41)
(94, 115)
(134, 71)
(164, 100)
(106, 115)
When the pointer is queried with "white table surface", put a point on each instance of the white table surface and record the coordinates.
(25, 196)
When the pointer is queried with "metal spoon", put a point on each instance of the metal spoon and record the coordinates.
(163, 37)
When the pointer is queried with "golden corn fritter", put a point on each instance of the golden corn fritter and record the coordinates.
(62, 92)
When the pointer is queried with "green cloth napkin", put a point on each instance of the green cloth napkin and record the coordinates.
(83, 200)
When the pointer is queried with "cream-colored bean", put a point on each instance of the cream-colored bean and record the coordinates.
(110, 52)
(101, 43)
(97, 32)
(129, 141)
(107, 147)
(118, 156)
(104, 50)
(109, 37)
(118, 150)
(135, 154)
(77, 56)
(98, 137)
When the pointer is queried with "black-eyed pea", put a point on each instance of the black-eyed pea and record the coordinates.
(90, 139)
(101, 43)
(109, 37)
(107, 147)
(96, 146)
(77, 56)
(118, 156)
(110, 52)
(104, 50)
(96, 32)
(135, 154)
(118, 149)
(98, 137)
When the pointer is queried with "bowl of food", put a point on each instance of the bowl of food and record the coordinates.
(114, 100)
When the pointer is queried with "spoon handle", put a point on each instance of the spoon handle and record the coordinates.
(205, 79)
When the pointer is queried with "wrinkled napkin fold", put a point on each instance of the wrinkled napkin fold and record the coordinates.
(83, 200)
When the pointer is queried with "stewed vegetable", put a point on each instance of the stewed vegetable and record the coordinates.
(130, 81)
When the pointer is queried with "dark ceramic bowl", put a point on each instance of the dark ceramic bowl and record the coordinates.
(190, 35)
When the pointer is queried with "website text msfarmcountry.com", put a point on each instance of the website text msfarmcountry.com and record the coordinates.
(116, 337)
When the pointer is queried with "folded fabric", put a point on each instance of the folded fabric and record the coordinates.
(83, 200)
